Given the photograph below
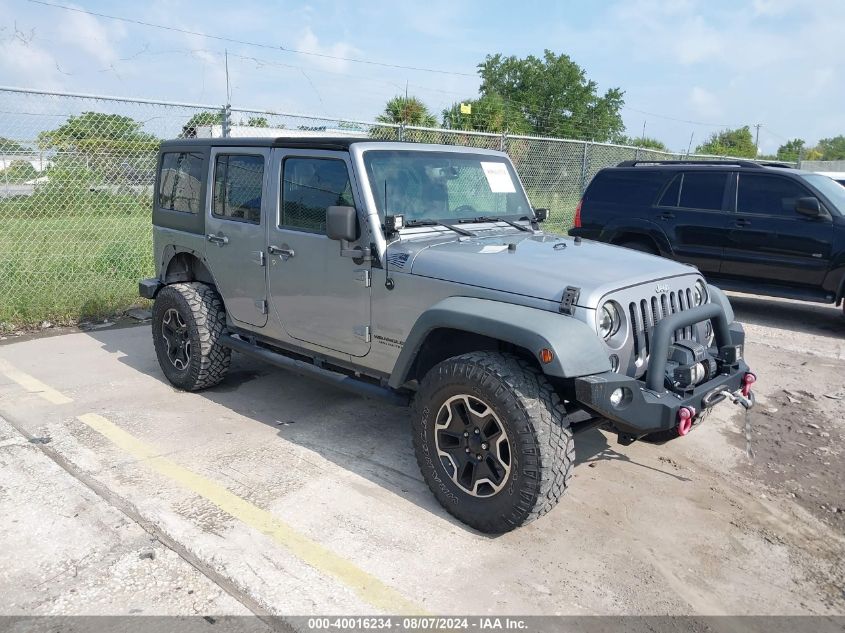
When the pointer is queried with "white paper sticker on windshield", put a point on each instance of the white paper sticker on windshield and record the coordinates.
(498, 177)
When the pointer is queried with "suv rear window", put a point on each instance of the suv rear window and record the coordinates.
(180, 182)
(626, 186)
(695, 190)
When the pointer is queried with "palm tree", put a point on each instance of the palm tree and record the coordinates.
(407, 111)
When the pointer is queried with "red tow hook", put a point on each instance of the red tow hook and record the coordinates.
(685, 416)
(748, 380)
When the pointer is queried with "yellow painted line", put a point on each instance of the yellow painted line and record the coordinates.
(32, 384)
(366, 586)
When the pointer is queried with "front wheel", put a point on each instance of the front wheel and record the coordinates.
(188, 321)
(492, 440)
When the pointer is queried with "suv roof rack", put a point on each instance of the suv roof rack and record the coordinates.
(714, 163)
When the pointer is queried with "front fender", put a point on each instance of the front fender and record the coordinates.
(576, 347)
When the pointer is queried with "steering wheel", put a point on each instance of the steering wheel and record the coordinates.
(465, 207)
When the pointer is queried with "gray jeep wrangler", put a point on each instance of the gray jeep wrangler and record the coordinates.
(418, 274)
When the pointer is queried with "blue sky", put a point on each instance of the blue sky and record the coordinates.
(687, 67)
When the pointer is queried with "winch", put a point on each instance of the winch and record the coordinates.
(688, 364)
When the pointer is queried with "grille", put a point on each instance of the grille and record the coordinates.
(646, 313)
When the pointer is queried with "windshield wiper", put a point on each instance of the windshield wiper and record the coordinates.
(412, 223)
(487, 218)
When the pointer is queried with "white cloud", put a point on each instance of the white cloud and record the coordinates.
(310, 43)
(87, 34)
(705, 104)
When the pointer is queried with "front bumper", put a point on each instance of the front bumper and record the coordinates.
(148, 288)
(648, 406)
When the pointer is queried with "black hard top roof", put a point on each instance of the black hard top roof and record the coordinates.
(306, 142)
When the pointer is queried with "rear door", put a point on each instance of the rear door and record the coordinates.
(236, 230)
(690, 210)
(769, 240)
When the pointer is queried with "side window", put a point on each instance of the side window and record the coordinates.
(672, 195)
(702, 190)
(768, 195)
(180, 182)
(309, 187)
(238, 182)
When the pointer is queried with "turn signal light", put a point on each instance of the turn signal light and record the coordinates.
(546, 355)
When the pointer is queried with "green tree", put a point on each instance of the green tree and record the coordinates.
(257, 121)
(554, 95)
(8, 146)
(18, 171)
(832, 148)
(97, 132)
(201, 119)
(488, 113)
(738, 142)
(408, 111)
(791, 150)
(645, 142)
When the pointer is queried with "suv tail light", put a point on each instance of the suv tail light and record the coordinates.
(578, 213)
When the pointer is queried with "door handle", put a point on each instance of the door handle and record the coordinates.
(284, 253)
(743, 222)
(666, 216)
(220, 240)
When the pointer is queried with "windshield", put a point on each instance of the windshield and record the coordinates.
(444, 186)
(831, 189)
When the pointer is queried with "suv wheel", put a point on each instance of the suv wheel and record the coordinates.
(188, 320)
(492, 440)
(641, 246)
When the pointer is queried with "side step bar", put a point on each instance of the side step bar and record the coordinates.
(342, 381)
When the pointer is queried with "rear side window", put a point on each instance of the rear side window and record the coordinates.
(695, 190)
(626, 186)
(237, 187)
(768, 195)
(309, 187)
(180, 181)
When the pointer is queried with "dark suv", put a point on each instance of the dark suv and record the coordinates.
(758, 228)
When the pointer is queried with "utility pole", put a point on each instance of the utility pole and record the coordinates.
(757, 137)
(689, 147)
(643, 136)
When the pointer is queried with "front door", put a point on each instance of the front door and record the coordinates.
(318, 296)
(769, 240)
(235, 229)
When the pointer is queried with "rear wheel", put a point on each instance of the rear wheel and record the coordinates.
(188, 321)
(640, 245)
(492, 440)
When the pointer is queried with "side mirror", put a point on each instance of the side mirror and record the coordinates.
(342, 223)
(809, 207)
(541, 214)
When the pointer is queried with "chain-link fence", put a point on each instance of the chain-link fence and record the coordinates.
(77, 173)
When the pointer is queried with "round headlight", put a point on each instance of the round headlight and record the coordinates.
(609, 320)
(699, 293)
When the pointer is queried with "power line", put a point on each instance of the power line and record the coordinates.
(248, 43)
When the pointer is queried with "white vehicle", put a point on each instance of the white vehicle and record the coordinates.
(838, 176)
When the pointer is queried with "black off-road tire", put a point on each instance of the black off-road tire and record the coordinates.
(201, 309)
(542, 450)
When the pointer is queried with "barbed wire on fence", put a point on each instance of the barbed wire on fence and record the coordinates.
(77, 174)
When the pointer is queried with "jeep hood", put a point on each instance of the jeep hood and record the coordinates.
(539, 266)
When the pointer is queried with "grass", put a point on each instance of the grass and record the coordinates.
(67, 253)
(81, 262)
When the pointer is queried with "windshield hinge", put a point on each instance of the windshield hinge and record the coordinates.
(569, 299)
